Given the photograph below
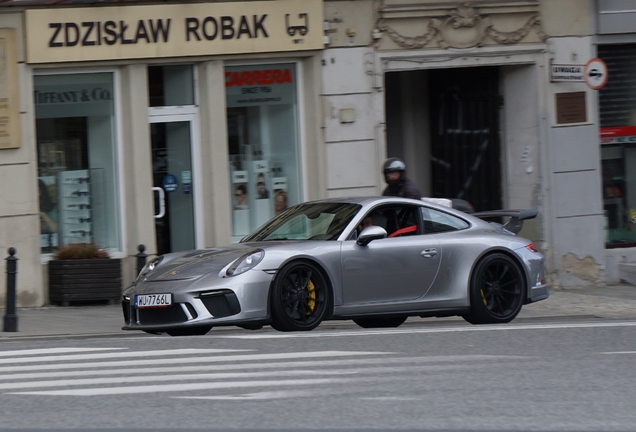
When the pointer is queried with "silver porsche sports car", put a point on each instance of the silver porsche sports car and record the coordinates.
(374, 260)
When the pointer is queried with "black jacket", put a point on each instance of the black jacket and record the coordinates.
(406, 189)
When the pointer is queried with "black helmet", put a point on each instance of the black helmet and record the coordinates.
(392, 165)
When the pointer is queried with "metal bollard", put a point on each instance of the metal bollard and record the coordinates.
(10, 317)
(141, 258)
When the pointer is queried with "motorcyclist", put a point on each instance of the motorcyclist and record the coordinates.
(398, 184)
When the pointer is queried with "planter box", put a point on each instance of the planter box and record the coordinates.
(84, 280)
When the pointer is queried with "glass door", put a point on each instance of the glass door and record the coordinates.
(173, 184)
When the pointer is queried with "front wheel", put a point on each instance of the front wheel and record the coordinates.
(300, 297)
(497, 290)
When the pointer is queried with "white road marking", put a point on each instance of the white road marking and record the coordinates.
(127, 354)
(181, 387)
(479, 328)
(256, 366)
(393, 398)
(620, 352)
(266, 395)
(171, 377)
(185, 360)
(53, 351)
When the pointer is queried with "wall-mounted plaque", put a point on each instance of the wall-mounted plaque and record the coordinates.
(570, 108)
(9, 110)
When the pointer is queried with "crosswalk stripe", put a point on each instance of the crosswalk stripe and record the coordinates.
(170, 377)
(482, 328)
(185, 360)
(53, 351)
(266, 395)
(127, 354)
(256, 366)
(239, 371)
(182, 387)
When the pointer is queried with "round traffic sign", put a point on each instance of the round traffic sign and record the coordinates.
(595, 73)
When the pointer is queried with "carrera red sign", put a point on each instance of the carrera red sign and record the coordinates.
(258, 77)
(618, 135)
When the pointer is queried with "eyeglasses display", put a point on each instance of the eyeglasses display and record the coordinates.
(76, 180)
(78, 207)
(82, 233)
(77, 159)
(75, 196)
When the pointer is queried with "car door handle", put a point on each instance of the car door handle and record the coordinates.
(429, 253)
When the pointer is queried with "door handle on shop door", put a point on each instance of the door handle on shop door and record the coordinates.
(162, 202)
(429, 253)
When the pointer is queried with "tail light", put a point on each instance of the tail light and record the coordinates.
(531, 248)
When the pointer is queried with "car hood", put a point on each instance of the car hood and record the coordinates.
(196, 263)
(202, 262)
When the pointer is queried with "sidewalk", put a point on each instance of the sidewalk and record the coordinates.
(613, 302)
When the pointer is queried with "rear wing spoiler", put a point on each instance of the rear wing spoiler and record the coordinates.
(515, 223)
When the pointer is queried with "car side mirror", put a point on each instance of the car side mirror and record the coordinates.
(369, 234)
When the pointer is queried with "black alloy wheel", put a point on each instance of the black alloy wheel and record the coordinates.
(380, 322)
(497, 290)
(300, 297)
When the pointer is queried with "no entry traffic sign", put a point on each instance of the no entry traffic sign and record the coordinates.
(595, 73)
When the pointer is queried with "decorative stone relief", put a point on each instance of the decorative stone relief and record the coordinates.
(463, 27)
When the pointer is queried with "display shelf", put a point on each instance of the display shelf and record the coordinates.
(76, 224)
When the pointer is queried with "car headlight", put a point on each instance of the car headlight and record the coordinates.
(150, 266)
(245, 263)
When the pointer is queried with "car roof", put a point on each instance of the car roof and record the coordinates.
(365, 200)
(370, 201)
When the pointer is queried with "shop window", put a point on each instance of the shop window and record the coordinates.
(263, 145)
(619, 195)
(618, 144)
(170, 85)
(77, 173)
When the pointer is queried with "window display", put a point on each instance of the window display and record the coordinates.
(262, 118)
(76, 160)
(617, 102)
(619, 195)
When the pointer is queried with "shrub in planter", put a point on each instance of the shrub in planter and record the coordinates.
(83, 272)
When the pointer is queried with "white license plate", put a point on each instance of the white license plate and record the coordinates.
(153, 300)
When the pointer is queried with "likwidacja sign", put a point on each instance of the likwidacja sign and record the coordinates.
(128, 32)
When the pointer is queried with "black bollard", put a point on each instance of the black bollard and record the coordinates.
(10, 317)
(141, 258)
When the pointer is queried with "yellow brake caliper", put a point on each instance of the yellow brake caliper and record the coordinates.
(483, 297)
(311, 297)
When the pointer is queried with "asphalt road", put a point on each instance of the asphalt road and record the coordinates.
(568, 374)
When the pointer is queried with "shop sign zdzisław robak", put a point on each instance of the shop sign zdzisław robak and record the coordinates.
(127, 32)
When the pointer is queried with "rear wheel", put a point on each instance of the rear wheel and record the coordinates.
(380, 322)
(300, 297)
(497, 290)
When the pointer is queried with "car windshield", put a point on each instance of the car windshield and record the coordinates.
(312, 221)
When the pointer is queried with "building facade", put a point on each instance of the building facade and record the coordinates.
(615, 41)
(470, 95)
(176, 126)
(187, 125)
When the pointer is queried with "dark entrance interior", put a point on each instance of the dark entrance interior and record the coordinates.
(459, 109)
